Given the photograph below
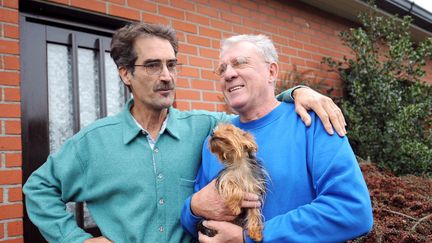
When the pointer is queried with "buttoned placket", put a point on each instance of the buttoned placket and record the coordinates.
(160, 192)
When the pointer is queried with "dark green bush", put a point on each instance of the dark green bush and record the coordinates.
(387, 107)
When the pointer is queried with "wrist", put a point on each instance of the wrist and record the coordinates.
(193, 205)
(296, 88)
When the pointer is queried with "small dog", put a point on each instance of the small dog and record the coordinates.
(242, 174)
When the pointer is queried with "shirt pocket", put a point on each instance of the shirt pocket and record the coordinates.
(186, 188)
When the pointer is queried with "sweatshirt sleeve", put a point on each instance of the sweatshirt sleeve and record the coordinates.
(341, 209)
(59, 180)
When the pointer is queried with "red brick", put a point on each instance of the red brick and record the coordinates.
(15, 240)
(199, 84)
(182, 4)
(187, 94)
(1, 226)
(220, 5)
(210, 53)
(201, 41)
(232, 18)
(146, 6)
(15, 228)
(10, 110)
(208, 11)
(154, 19)
(182, 58)
(189, 72)
(8, 15)
(183, 83)
(188, 49)
(201, 62)
(221, 25)
(203, 106)
(11, 31)
(11, 3)
(216, 44)
(90, 5)
(266, 10)
(11, 62)
(8, 177)
(12, 94)
(124, 12)
(10, 143)
(121, 2)
(15, 194)
(11, 211)
(1, 200)
(206, 74)
(182, 105)
(197, 19)
(172, 12)
(210, 32)
(250, 5)
(190, 28)
(240, 11)
(13, 127)
(213, 96)
(9, 47)
(65, 2)
(13, 159)
(9, 78)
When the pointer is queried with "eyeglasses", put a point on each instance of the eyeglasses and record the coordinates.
(155, 67)
(236, 63)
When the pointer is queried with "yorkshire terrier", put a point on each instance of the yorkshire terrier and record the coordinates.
(242, 174)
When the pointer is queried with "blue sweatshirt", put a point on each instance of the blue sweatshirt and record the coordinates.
(316, 191)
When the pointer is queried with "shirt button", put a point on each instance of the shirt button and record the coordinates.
(161, 201)
(161, 229)
(160, 176)
(156, 150)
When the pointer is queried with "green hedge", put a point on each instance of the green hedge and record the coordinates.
(387, 107)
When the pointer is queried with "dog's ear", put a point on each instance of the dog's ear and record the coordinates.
(249, 145)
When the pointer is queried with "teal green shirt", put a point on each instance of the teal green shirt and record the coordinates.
(134, 193)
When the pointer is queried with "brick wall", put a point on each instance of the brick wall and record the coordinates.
(11, 207)
(302, 34)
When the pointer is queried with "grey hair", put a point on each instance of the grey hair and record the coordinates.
(263, 44)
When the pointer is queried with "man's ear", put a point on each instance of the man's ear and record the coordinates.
(124, 75)
(274, 70)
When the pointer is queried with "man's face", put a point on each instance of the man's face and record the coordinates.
(246, 79)
(152, 89)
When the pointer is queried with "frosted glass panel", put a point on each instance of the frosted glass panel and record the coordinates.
(88, 76)
(114, 87)
(59, 95)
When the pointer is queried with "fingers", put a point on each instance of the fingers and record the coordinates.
(336, 117)
(301, 111)
(251, 200)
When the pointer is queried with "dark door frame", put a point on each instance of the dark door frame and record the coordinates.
(39, 23)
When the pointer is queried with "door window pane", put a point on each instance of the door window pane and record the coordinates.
(59, 95)
(114, 87)
(89, 92)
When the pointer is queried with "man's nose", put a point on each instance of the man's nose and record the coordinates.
(165, 75)
(230, 73)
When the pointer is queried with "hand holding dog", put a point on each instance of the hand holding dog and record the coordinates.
(209, 204)
(227, 232)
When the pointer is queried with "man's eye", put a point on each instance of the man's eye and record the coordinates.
(152, 65)
(238, 61)
(171, 65)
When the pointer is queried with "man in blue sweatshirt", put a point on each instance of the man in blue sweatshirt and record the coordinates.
(316, 191)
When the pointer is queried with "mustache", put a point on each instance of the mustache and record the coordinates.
(164, 86)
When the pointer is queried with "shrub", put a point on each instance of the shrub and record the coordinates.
(387, 107)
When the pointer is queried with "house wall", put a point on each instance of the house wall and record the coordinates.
(303, 36)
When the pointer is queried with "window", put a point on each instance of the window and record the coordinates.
(68, 81)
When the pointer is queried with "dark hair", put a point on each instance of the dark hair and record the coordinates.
(122, 44)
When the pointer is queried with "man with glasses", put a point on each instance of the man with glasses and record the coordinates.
(134, 170)
(315, 189)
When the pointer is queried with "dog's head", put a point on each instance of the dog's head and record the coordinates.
(230, 143)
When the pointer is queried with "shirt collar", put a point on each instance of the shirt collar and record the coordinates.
(131, 130)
